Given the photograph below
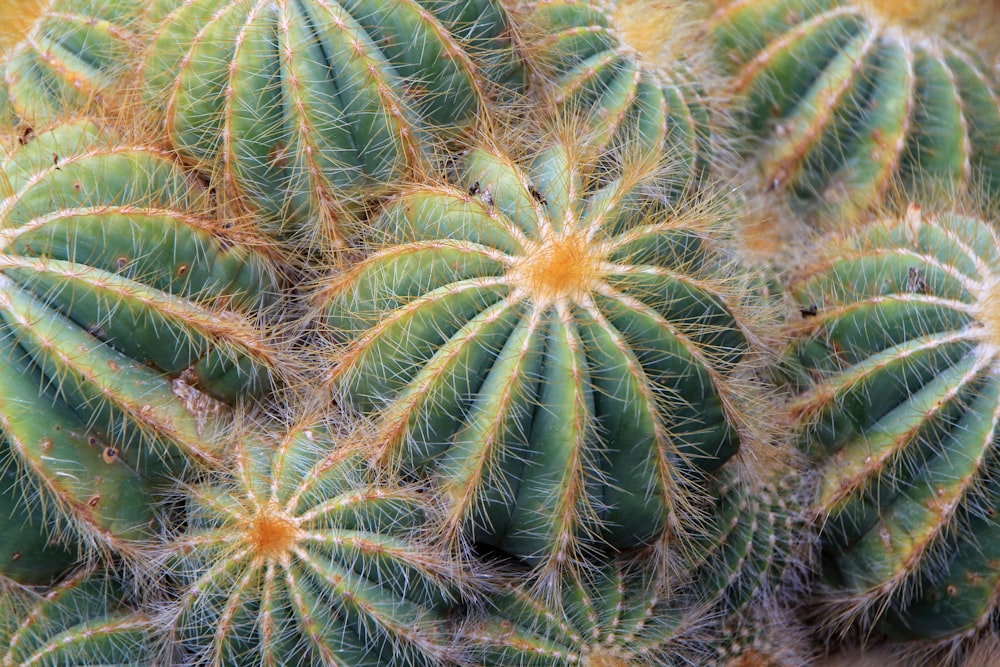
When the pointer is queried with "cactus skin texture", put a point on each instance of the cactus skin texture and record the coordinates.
(588, 67)
(853, 104)
(561, 358)
(80, 622)
(63, 56)
(901, 403)
(300, 559)
(295, 105)
(123, 322)
(617, 615)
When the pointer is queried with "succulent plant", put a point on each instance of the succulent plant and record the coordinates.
(300, 557)
(80, 622)
(59, 57)
(300, 106)
(900, 403)
(633, 78)
(854, 101)
(126, 322)
(559, 358)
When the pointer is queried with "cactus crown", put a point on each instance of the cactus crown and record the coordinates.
(17, 18)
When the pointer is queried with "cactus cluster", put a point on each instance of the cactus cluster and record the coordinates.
(396, 333)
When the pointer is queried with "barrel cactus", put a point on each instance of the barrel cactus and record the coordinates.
(297, 106)
(857, 100)
(898, 353)
(59, 57)
(300, 557)
(635, 79)
(560, 358)
(127, 323)
(81, 622)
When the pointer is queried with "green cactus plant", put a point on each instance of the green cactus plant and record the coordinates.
(900, 403)
(60, 57)
(636, 80)
(300, 557)
(126, 323)
(561, 359)
(855, 101)
(299, 106)
(81, 622)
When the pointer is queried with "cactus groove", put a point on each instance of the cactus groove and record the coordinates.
(902, 403)
(560, 357)
(852, 103)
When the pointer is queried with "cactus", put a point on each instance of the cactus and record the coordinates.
(855, 101)
(81, 622)
(297, 107)
(618, 614)
(59, 57)
(298, 557)
(123, 323)
(633, 78)
(560, 358)
(900, 402)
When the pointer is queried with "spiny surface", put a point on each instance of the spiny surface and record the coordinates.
(125, 323)
(298, 558)
(629, 75)
(296, 104)
(852, 103)
(558, 350)
(901, 403)
(60, 57)
(80, 622)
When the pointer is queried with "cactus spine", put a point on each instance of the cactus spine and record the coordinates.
(561, 358)
(300, 557)
(901, 404)
(297, 106)
(852, 103)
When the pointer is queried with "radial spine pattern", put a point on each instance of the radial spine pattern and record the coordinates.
(853, 102)
(902, 405)
(561, 356)
(298, 558)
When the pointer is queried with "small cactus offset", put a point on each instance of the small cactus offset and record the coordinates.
(59, 57)
(628, 75)
(857, 100)
(80, 622)
(901, 404)
(298, 106)
(126, 323)
(300, 557)
(561, 359)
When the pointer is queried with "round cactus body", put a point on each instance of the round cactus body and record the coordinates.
(560, 357)
(63, 56)
(298, 558)
(123, 322)
(900, 358)
(858, 100)
(296, 104)
(618, 615)
(81, 622)
(630, 75)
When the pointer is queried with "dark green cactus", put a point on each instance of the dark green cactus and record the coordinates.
(297, 105)
(901, 403)
(58, 57)
(298, 558)
(853, 104)
(630, 76)
(559, 359)
(124, 323)
(81, 622)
